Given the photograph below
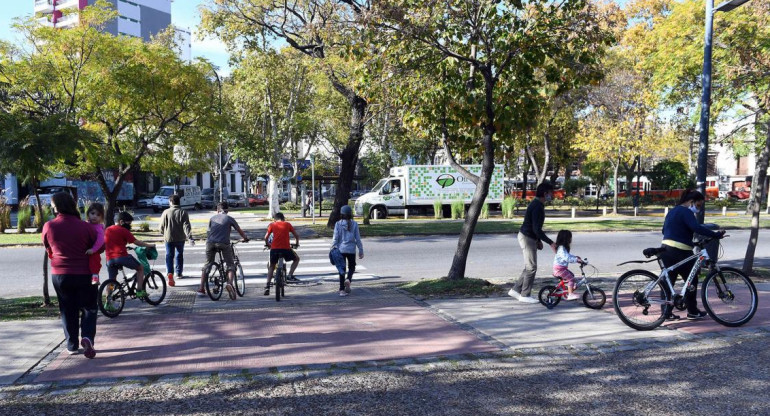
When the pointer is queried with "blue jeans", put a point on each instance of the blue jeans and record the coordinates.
(171, 248)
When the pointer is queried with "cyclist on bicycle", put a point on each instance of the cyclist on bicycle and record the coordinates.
(678, 230)
(116, 237)
(219, 240)
(280, 248)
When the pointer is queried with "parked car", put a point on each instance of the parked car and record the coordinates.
(144, 201)
(739, 193)
(236, 200)
(608, 195)
(189, 197)
(210, 197)
(257, 199)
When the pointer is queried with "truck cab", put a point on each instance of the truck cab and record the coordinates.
(387, 197)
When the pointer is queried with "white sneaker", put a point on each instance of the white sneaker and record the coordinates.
(514, 294)
(528, 299)
(178, 276)
(573, 297)
(342, 293)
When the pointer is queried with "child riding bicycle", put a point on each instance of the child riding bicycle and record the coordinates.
(280, 248)
(116, 238)
(562, 260)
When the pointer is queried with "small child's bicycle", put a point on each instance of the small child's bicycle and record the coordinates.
(113, 293)
(593, 297)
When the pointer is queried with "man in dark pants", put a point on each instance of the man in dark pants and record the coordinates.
(531, 237)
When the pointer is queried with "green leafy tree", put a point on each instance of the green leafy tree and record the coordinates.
(671, 37)
(472, 72)
(325, 30)
(670, 174)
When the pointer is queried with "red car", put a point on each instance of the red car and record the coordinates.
(258, 199)
(740, 193)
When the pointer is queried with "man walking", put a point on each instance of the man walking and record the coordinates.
(531, 237)
(175, 227)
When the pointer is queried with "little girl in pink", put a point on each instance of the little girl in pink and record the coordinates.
(95, 215)
(562, 260)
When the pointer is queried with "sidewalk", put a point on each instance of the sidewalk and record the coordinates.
(314, 329)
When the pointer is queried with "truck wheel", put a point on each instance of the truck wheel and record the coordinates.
(197, 207)
(155, 210)
(380, 213)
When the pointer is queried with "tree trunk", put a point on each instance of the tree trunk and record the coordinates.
(46, 296)
(110, 196)
(758, 190)
(272, 191)
(615, 182)
(349, 155)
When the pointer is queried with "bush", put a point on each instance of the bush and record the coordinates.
(23, 218)
(5, 216)
(573, 186)
(458, 210)
(485, 211)
(723, 203)
(290, 206)
(509, 206)
(327, 204)
(367, 210)
(437, 211)
(573, 202)
(144, 226)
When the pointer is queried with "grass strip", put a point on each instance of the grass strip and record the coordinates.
(451, 288)
(30, 307)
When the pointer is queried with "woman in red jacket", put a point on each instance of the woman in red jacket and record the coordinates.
(67, 238)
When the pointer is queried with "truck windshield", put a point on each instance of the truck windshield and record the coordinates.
(379, 185)
(166, 192)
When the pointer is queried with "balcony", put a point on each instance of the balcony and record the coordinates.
(68, 20)
(43, 6)
(44, 21)
(67, 4)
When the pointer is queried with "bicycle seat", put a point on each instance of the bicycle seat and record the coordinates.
(652, 251)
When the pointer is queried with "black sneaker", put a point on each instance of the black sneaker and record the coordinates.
(267, 291)
(292, 279)
(696, 316)
(672, 317)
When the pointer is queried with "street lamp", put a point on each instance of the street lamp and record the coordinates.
(705, 108)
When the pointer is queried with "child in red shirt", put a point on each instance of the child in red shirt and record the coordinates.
(277, 237)
(116, 237)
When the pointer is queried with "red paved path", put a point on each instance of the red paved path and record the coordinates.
(262, 338)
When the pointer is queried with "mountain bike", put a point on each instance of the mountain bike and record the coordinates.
(217, 275)
(113, 293)
(593, 297)
(643, 300)
(279, 274)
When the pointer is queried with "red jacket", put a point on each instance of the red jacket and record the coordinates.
(66, 239)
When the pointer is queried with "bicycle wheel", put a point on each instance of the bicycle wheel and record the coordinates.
(215, 282)
(729, 296)
(278, 278)
(594, 298)
(547, 297)
(240, 280)
(111, 298)
(155, 286)
(637, 310)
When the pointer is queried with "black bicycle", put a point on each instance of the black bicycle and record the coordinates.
(113, 294)
(279, 275)
(217, 274)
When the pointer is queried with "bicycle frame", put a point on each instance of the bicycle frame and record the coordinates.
(700, 258)
(582, 282)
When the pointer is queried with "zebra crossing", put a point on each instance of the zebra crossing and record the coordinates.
(314, 262)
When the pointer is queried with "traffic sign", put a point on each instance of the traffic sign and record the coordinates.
(299, 178)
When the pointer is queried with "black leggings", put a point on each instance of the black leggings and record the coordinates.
(351, 259)
(673, 256)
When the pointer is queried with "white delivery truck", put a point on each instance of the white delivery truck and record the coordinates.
(417, 187)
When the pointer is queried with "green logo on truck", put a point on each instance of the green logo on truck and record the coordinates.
(445, 180)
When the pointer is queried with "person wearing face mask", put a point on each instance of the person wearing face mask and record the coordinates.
(116, 237)
(531, 237)
(678, 229)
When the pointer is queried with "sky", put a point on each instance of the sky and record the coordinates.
(184, 13)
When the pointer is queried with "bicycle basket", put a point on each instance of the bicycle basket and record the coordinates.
(143, 254)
